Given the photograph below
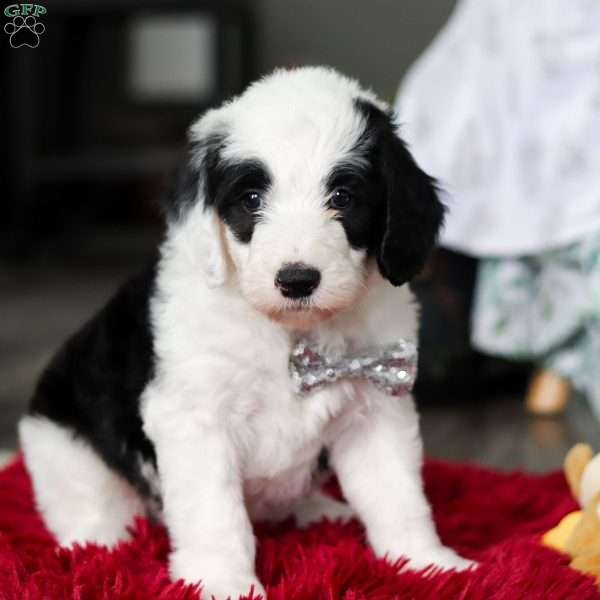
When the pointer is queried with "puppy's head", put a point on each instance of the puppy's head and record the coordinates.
(298, 188)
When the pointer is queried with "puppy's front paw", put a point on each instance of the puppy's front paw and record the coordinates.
(219, 577)
(438, 556)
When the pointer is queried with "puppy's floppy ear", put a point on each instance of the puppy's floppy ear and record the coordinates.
(189, 195)
(182, 192)
(413, 213)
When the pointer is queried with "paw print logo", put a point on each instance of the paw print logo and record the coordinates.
(24, 31)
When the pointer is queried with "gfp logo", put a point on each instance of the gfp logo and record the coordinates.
(24, 29)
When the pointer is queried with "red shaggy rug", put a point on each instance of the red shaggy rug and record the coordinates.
(492, 517)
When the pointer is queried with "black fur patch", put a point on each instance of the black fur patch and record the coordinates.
(226, 185)
(411, 213)
(93, 384)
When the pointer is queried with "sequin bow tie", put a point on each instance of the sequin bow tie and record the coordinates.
(392, 368)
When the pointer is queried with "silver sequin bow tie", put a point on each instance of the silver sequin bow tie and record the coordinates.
(392, 368)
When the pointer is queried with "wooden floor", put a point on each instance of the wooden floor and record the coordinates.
(497, 432)
(41, 303)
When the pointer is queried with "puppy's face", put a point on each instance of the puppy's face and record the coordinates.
(308, 185)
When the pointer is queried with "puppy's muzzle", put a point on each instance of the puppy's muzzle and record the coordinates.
(297, 280)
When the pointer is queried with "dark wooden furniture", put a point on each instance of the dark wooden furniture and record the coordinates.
(68, 121)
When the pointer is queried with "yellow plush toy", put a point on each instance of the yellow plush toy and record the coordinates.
(578, 534)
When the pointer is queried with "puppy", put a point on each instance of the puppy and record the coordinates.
(299, 215)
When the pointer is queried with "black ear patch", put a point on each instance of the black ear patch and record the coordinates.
(413, 213)
(182, 192)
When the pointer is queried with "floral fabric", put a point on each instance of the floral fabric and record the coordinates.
(544, 307)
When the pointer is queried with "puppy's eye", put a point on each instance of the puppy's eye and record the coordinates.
(340, 199)
(252, 200)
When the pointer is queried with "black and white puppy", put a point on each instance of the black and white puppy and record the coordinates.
(300, 213)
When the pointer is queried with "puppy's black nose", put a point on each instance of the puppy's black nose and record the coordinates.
(297, 280)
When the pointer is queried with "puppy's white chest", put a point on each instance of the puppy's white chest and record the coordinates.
(287, 438)
(290, 429)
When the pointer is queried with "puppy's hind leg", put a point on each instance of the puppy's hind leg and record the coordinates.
(79, 497)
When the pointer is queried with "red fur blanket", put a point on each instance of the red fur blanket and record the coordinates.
(495, 518)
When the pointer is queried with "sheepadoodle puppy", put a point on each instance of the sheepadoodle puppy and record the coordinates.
(292, 231)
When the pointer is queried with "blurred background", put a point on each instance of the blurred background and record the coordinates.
(93, 122)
